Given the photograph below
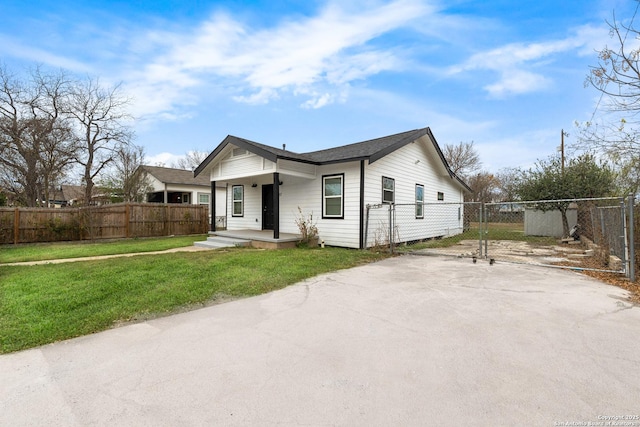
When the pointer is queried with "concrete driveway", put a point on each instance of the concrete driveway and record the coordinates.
(407, 341)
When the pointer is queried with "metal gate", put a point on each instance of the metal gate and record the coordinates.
(579, 234)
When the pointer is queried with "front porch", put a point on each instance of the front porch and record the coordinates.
(261, 239)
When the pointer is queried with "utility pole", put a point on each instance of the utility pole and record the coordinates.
(562, 149)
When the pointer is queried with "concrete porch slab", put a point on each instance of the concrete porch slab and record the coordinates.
(261, 239)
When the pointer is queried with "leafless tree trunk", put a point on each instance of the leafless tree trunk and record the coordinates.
(463, 159)
(34, 137)
(100, 127)
(484, 186)
(128, 176)
(57, 149)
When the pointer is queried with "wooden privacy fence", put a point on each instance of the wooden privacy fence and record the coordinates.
(122, 220)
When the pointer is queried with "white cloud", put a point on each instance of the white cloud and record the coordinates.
(262, 97)
(330, 49)
(517, 81)
(163, 159)
(319, 101)
(515, 62)
(10, 47)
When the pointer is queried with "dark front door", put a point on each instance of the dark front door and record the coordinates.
(267, 207)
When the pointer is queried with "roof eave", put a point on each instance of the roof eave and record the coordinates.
(399, 144)
(255, 149)
(238, 142)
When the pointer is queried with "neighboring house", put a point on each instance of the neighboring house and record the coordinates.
(170, 185)
(70, 195)
(267, 185)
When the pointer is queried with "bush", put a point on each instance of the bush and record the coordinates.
(306, 226)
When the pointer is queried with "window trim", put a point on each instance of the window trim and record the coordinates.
(234, 201)
(324, 197)
(419, 203)
(392, 191)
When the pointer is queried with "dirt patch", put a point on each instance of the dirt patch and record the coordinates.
(513, 251)
(577, 256)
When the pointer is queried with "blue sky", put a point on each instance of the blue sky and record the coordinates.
(506, 75)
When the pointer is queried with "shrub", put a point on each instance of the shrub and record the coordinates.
(306, 226)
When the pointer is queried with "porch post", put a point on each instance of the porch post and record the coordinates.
(276, 205)
(213, 206)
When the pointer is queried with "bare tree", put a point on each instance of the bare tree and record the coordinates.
(191, 160)
(100, 127)
(484, 186)
(34, 136)
(462, 158)
(507, 184)
(19, 158)
(614, 128)
(127, 178)
(627, 176)
(57, 148)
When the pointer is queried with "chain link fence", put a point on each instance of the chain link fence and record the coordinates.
(406, 225)
(585, 234)
(581, 234)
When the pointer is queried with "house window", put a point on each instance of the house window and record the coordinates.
(333, 196)
(419, 201)
(440, 195)
(388, 189)
(203, 199)
(238, 200)
(186, 198)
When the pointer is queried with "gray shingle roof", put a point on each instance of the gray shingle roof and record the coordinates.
(176, 176)
(370, 150)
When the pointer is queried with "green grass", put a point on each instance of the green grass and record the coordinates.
(47, 303)
(60, 250)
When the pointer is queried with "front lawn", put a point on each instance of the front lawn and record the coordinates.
(60, 250)
(46, 303)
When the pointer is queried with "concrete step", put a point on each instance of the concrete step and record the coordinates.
(216, 242)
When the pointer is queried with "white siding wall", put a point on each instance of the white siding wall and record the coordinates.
(297, 168)
(252, 218)
(241, 166)
(155, 183)
(307, 194)
(409, 166)
(305, 191)
(221, 200)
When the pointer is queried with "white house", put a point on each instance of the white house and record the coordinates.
(170, 185)
(267, 185)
